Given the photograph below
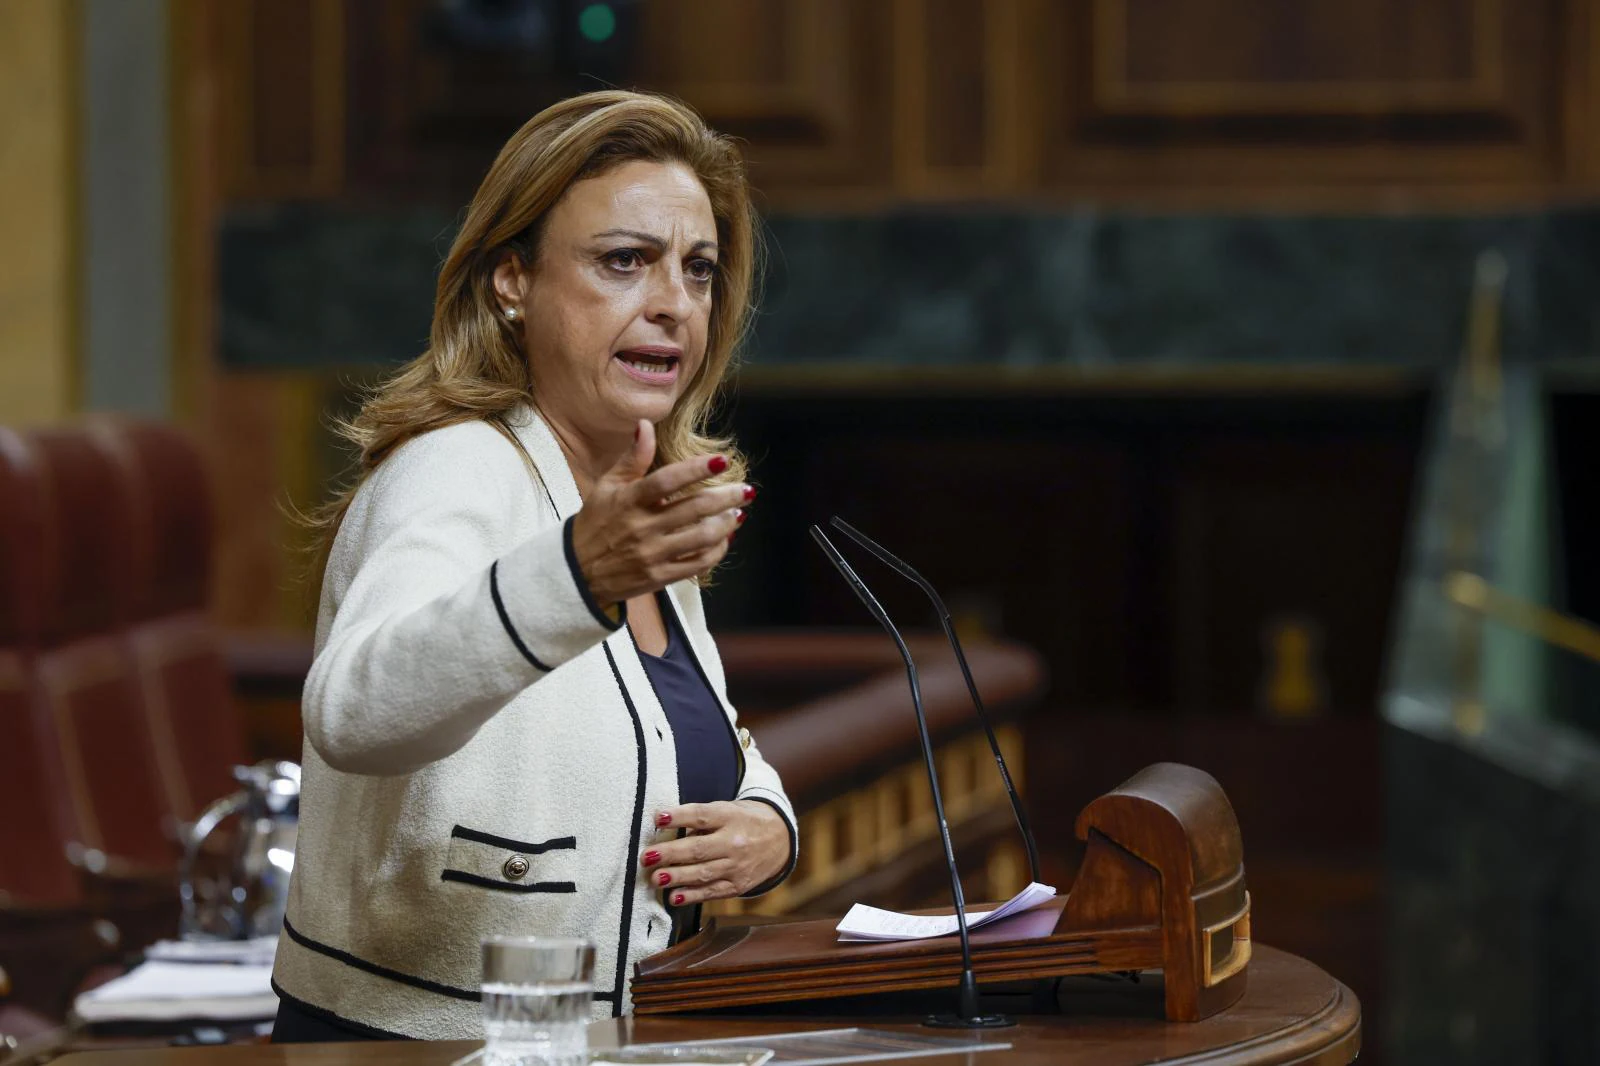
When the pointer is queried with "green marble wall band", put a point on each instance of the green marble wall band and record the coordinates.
(308, 286)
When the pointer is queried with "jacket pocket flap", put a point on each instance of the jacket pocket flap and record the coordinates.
(490, 861)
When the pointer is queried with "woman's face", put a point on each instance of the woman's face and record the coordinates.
(615, 309)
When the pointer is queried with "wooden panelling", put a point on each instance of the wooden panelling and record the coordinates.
(1311, 57)
(1256, 93)
(284, 93)
(197, 117)
(867, 102)
(263, 433)
(803, 82)
(1580, 85)
(957, 108)
(432, 111)
(953, 60)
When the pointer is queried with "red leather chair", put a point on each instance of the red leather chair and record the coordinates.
(35, 814)
(194, 724)
(87, 673)
(49, 935)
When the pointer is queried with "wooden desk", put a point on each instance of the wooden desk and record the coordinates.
(1292, 1013)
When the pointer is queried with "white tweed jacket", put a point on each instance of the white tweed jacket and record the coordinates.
(484, 753)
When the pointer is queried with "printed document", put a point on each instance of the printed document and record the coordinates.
(865, 923)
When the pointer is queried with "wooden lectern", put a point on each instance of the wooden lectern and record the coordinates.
(1161, 887)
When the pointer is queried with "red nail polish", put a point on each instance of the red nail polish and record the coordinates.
(677, 899)
(663, 878)
(739, 516)
(652, 857)
(663, 818)
(717, 464)
(749, 493)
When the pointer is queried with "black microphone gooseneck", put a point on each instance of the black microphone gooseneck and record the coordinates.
(968, 1013)
(906, 570)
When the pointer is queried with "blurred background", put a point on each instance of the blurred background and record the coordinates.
(1236, 356)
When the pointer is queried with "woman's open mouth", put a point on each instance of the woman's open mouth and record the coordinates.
(655, 365)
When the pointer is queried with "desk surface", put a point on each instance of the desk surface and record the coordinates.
(1292, 1012)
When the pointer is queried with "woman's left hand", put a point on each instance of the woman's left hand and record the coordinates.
(730, 849)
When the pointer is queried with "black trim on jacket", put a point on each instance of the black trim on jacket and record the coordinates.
(356, 962)
(505, 619)
(794, 846)
(478, 835)
(436, 987)
(630, 856)
(582, 582)
(676, 932)
(507, 886)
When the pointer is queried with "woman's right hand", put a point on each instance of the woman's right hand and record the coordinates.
(641, 531)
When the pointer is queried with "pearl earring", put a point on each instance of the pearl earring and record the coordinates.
(513, 313)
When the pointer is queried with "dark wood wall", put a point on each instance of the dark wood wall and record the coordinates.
(1155, 548)
(1350, 102)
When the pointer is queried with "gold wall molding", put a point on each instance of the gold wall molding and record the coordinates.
(40, 59)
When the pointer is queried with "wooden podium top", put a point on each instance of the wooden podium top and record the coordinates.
(1292, 1012)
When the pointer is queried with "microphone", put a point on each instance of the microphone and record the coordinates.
(907, 571)
(968, 1014)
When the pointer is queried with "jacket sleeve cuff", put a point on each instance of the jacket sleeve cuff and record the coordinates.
(582, 584)
(787, 815)
(543, 602)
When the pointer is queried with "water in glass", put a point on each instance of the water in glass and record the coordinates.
(536, 1024)
(536, 997)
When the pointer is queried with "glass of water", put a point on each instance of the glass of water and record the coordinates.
(536, 996)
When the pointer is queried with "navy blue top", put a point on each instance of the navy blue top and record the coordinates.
(708, 761)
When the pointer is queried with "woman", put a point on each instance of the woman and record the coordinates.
(516, 721)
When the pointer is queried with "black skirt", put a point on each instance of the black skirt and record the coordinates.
(297, 1025)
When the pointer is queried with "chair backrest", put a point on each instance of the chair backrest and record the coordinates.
(89, 680)
(36, 816)
(193, 720)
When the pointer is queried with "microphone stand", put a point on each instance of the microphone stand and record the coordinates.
(906, 570)
(968, 1013)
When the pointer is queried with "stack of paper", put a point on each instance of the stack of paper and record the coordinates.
(260, 951)
(161, 990)
(865, 923)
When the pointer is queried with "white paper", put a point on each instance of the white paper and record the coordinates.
(260, 951)
(864, 923)
(162, 990)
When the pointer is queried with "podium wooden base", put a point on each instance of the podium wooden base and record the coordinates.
(1292, 1012)
(1161, 888)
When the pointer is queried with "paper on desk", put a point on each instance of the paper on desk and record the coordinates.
(865, 923)
(162, 991)
(261, 950)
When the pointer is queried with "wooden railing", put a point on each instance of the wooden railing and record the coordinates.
(879, 825)
(851, 762)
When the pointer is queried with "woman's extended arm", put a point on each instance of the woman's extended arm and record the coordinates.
(434, 632)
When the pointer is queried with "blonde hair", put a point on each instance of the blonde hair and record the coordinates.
(474, 367)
